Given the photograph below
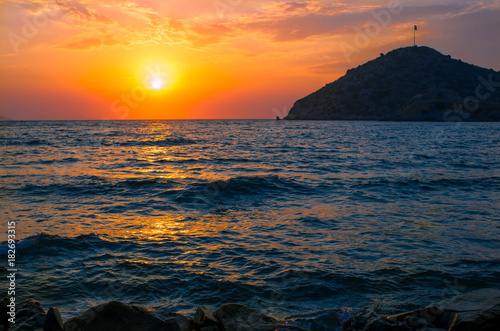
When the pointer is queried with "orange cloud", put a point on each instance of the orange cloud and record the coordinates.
(88, 42)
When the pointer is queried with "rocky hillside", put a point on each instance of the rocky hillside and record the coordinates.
(407, 84)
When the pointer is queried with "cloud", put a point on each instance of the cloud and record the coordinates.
(294, 6)
(292, 22)
(301, 27)
(327, 68)
(144, 21)
(72, 12)
(82, 43)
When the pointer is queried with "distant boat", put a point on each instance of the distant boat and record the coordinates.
(278, 118)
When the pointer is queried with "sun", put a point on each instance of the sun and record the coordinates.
(157, 77)
(156, 83)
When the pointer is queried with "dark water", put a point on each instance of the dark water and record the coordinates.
(287, 217)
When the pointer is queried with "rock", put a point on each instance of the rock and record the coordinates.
(372, 322)
(205, 318)
(406, 84)
(238, 317)
(116, 315)
(425, 317)
(327, 320)
(476, 310)
(331, 320)
(418, 322)
(3, 311)
(53, 320)
(29, 316)
(210, 328)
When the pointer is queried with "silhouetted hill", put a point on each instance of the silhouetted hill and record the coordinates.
(407, 84)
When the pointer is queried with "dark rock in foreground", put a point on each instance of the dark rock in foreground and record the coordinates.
(372, 322)
(407, 84)
(477, 310)
(29, 316)
(474, 311)
(4, 310)
(204, 319)
(115, 315)
(238, 317)
(53, 320)
(326, 320)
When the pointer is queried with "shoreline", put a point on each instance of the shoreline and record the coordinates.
(475, 310)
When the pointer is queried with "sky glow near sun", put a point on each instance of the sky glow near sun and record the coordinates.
(84, 59)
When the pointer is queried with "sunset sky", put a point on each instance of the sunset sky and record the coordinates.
(180, 59)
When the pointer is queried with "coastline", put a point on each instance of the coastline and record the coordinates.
(475, 310)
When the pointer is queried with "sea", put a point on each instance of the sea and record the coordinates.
(297, 219)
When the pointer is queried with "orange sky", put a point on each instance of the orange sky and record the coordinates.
(145, 59)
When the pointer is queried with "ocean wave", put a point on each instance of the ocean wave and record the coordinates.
(20, 245)
(160, 143)
(68, 189)
(23, 142)
(99, 186)
(145, 160)
(240, 187)
(45, 240)
(427, 183)
(27, 242)
(49, 161)
(96, 140)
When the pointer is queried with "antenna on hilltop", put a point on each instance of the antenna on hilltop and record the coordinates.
(414, 29)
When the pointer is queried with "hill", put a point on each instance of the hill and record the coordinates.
(407, 84)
